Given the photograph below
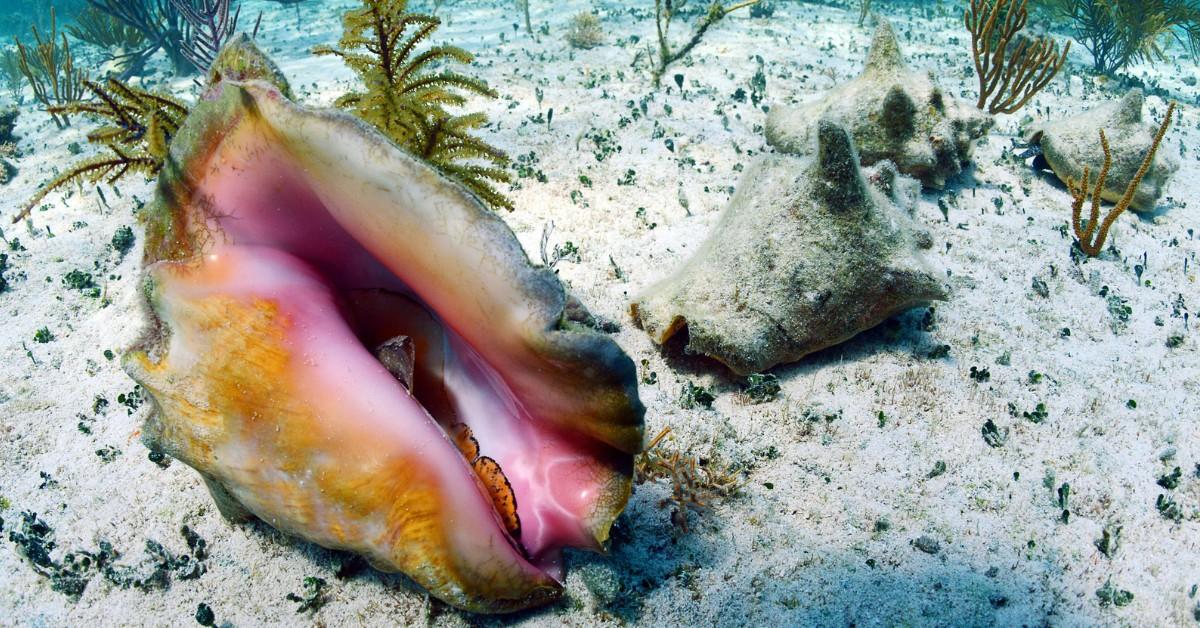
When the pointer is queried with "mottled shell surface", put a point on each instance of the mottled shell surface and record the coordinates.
(1073, 143)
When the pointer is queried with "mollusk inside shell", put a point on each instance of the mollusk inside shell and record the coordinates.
(348, 346)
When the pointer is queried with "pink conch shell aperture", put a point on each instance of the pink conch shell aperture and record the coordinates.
(349, 347)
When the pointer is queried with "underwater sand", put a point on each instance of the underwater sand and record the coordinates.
(838, 518)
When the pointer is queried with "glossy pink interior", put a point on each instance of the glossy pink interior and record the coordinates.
(258, 199)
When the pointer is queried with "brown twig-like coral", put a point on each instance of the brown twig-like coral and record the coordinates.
(137, 136)
(1090, 237)
(693, 488)
(50, 70)
(1009, 79)
(665, 11)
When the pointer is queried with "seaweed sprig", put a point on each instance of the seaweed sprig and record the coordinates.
(665, 12)
(406, 94)
(136, 137)
(314, 595)
(694, 487)
(1090, 236)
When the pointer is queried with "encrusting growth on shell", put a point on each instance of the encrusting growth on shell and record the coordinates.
(240, 60)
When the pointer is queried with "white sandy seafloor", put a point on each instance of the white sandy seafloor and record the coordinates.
(826, 528)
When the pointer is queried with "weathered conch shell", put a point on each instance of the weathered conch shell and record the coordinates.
(808, 254)
(348, 346)
(1071, 144)
(893, 114)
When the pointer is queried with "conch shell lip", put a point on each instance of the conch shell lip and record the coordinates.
(251, 171)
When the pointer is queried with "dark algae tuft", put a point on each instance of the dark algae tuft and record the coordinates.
(35, 541)
(313, 598)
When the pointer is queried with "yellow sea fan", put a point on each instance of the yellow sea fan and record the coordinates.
(406, 94)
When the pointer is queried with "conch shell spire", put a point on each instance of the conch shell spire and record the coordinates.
(884, 54)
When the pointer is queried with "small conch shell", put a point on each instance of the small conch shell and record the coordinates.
(808, 254)
(1071, 144)
(332, 320)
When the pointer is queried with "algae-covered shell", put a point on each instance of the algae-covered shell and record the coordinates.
(808, 254)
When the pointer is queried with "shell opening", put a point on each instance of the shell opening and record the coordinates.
(544, 484)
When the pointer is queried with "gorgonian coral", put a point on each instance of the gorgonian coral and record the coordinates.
(136, 134)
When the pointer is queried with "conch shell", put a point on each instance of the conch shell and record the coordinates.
(351, 348)
(810, 252)
(893, 113)
(1072, 144)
